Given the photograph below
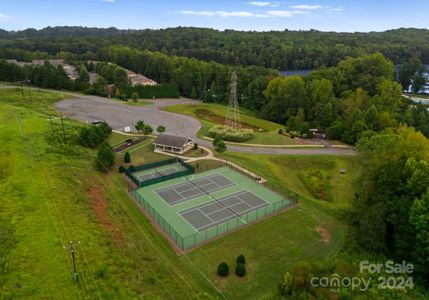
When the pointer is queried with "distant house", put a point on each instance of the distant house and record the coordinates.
(92, 77)
(70, 70)
(425, 88)
(135, 79)
(173, 143)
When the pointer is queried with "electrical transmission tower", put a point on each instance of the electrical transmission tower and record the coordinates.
(232, 118)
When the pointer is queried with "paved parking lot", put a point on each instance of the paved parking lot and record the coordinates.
(120, 115)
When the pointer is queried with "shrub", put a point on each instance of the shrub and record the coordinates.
(317, 182)
(94, 135)
(216, 141)
(135, 96)
(280, 131)
(105, 158)
(240, 270)
(147, 130)
(195, 146)
(286, 285)
(223, 269)
(127, 158)
(140, 125)
(227, 133)
(131, 168)
(160, 129)
(219, 146)
(121, 169)
(241, 259)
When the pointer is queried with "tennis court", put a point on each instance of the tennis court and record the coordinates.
(195, 208)
(161, 171)
(194, 188)
(219, 211)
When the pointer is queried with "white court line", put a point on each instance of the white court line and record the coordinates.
(206, 216)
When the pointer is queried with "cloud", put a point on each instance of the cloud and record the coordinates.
(259, 3)
(197, 13)
(300, 12)
(5, 18)
(281, 13)
(307, 7)
(108, 1)
(335, 9)
(223, 14)
(295, 10)
(263, 4)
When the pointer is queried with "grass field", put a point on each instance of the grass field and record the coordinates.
(53, 195)
(213, 114)
(313, 231)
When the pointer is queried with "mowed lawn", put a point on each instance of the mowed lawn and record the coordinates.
(266, 132)
(312, 231)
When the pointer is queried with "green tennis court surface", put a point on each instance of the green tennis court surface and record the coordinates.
(159, 171)
(195, 208)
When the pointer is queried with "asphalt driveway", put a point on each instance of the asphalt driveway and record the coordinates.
(120, 115)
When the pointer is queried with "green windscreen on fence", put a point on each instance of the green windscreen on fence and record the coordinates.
(155, 172)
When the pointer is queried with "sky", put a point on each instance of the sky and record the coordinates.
(264, 15)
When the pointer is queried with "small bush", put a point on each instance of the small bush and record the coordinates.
(195, 146)
(219, 146)
(223, 269)
(280, 131)
(227, 133)
(121, 169)
(241, 259)
(160, 129)
(127, 158)
(131, 168)
(135, 96)
(240, 270)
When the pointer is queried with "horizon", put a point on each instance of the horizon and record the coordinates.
(260, 16)
(211, 28)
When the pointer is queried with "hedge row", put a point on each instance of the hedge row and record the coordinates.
(227, 133)
(167, 90)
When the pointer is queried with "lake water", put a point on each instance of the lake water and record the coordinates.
(295, 72)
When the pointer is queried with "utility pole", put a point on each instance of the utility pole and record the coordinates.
(64, 131)
(73, 261)
(22, 91)
(52, 130)
(21, 128)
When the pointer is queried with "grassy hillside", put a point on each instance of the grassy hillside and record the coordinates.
(51, 195)
(211, 114)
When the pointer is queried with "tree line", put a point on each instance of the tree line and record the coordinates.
(356, 98)
(282, 50)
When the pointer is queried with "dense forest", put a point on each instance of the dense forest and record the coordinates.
(282, 50)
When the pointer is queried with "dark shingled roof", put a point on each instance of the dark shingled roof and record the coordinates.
(171, 140)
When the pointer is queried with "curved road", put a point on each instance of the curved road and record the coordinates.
(120, 115)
